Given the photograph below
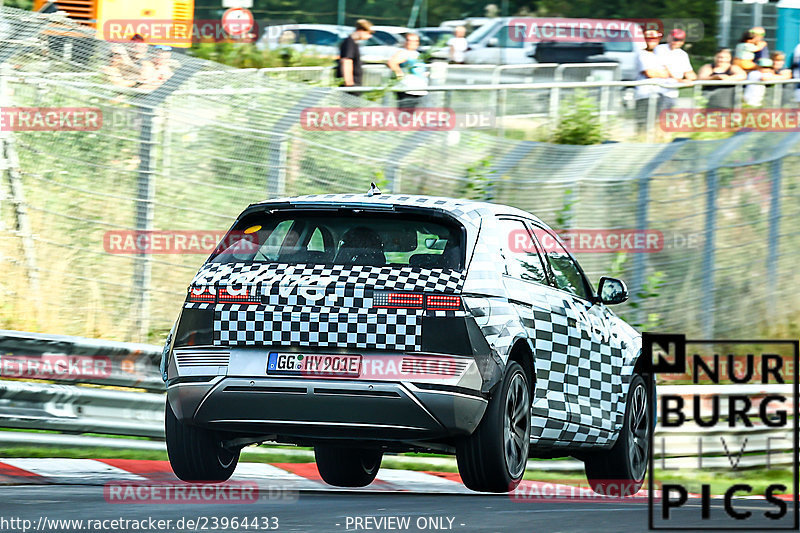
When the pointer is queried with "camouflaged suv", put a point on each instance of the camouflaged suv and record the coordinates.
(365, 324)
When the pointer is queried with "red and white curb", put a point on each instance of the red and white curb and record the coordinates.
(288, 476)
(285, 476)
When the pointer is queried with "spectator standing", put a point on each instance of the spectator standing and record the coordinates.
(721, 96)
(779, 68)
(348, 66)
(162, 67)
(754, 94)
(137, 64)
(761, 49)
(676, 60)
(458, 45)
(118, 70)
(795, 66)
(411, 71)
(722, 68)
(745, 52)
(649, 66)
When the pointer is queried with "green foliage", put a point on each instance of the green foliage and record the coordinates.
(478, 182)
(248, 56)
(381, 181)
(19, 4)
(579, 122)
(564, 215)
(650, 289)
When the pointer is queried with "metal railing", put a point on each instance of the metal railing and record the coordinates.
(379, 75)
(613, 98)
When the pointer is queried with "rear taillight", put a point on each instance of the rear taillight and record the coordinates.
(241, 296)
(207, 294)
(200, 294)
(397, 300)
(406, 300)
(441, 302)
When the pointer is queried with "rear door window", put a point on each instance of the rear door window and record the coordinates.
(345, 239)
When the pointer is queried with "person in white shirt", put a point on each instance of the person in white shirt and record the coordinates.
(457, 45)
(795, 66)
(754, 94)
(649, 66)
(677, 62)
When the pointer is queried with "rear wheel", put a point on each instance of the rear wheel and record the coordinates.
(620, 471)
(494, 457)
(347, 467)
(196, 454)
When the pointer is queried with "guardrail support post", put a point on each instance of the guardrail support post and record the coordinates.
(276, 181)
(642, 207)
(774, 235)
(652, 106)
(145, 196)
(708, 287)
(146, 105)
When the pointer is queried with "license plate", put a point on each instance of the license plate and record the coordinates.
(298, 364)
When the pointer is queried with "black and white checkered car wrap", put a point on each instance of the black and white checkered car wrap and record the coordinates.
(395, 329)
(322, 306)
(326, 312)
(406, 279)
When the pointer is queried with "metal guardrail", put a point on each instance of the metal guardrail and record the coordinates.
(78, 408)
(126, 364)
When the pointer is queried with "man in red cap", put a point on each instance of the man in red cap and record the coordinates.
(649, 66)
(677, 62)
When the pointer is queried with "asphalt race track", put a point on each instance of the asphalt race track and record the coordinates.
(322, 511)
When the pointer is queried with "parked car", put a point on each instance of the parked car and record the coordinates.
(312, 39)
(395, 36)
(437, 35)
(494, 44)
(471, 23)
(322, 40)
(365, 324)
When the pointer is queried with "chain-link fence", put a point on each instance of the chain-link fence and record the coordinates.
(189, 151)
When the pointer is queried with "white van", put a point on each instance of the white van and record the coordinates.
(503, 41)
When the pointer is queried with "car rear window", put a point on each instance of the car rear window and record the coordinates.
(336, 238)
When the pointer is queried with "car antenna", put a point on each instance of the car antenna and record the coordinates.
(373, 190)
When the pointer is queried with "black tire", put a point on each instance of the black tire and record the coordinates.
(620, 471)
(196, 454)
(347, 467)
(494, 457)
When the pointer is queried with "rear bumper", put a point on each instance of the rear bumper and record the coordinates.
(328, 408)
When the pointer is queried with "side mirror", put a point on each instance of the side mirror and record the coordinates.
(492, 43)
(612, 291)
